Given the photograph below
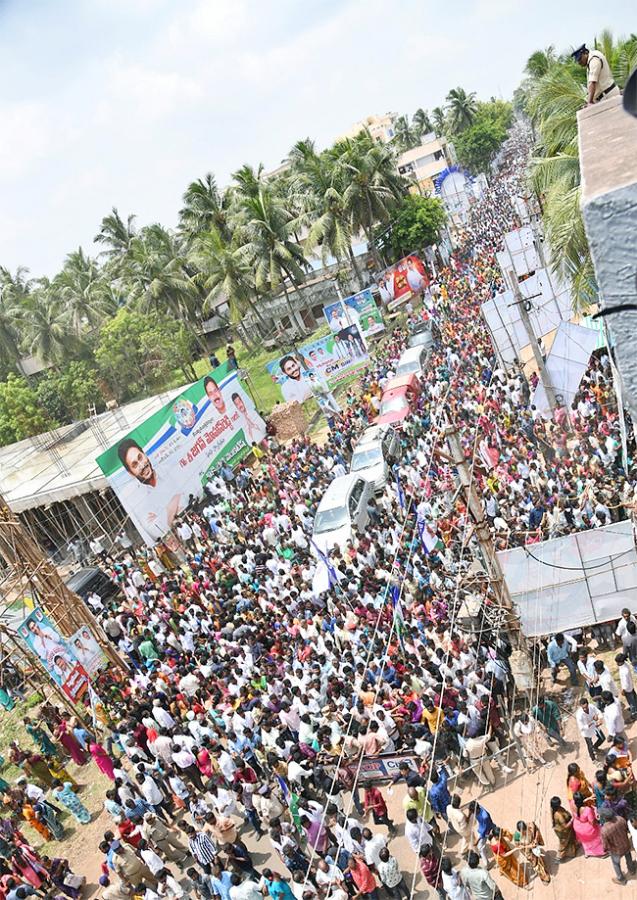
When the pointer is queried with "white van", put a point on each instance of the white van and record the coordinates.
(412, 362)
(342, 507)
(375, 452)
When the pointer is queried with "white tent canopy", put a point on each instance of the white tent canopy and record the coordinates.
(573, 581)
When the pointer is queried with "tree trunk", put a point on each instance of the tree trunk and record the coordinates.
(356, 269)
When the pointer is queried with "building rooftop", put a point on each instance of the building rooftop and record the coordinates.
(60, 464)
(608, 148)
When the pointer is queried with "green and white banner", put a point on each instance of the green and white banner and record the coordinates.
(158, 465)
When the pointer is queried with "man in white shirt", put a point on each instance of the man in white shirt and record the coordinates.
(152, 495)
(613, 716)
(417, 831)
(625, 672)
(589, 721)
(295, 387)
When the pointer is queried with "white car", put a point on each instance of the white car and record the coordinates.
(374, 454)
(342, 508)
(412, 362)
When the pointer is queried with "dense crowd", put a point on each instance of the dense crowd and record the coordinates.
(257, 692)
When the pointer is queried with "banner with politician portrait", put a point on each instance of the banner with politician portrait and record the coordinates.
(55, 653)
(159, 464)
(359, 309)
(402, 280)
(87, 651)
(319, 364)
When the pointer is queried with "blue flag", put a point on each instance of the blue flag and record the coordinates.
(332, 574)
(399, 490)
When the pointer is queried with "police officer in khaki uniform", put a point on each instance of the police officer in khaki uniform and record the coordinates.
(601, 83)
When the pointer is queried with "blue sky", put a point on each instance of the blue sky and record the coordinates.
(123, 102)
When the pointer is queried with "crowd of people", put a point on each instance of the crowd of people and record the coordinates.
(253, 698)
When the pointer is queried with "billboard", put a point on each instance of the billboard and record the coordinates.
(155, 468)
(359, 309)
(55, 653)
(323, 362)
(399, 282)
(87, 651)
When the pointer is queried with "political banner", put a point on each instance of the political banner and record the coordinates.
(312, 367)
(402, 280)
(382, 768)
(359, 309)
(159, 464)
(55, 653)
(87, 651)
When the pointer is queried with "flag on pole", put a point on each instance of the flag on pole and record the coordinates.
(399, 621)
(399, 490)
(428, 538)
(333, 576)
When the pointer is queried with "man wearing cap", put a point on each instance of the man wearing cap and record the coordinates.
(601, 83)
(129, 866)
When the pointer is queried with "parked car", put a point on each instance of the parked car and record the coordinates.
(398, 400)
(421, 337)
(342, 508)
(90, 580)
(374, 454)
(412, 361)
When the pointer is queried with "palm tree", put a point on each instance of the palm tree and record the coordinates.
(439, 120)
(267, 236)
(539, 63)
(47, 331)
(205, 207)
(621, 54)
(85, 294)
(224, 270)
(116, 234)
(462, 108)
(373, 187)
(317, 192)
(421, 123)
(14, 289)
(405, 135)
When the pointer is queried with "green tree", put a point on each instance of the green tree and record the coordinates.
(439, 120)
(320, 182)
(477, 145)
(137, 351)
(68, 395)
(422, 123)
(13, 291)
(406, 135)
(373, 188)
(417, 224)
(84, 293)
(115, 234)
(205, 207)
(462, 109)
(21, 416)
(539, 62)
(46, 328)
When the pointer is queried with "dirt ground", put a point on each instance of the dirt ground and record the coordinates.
(523, 794)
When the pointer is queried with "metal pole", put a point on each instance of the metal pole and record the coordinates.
(494, 571)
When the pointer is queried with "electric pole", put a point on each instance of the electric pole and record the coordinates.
(492, 566)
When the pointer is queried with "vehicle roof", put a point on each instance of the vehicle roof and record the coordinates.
(372, 434)
(411, 354)
(337, 490)
(406, 381)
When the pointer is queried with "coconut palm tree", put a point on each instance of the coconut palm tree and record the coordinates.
(405, 135)
(224, 270)
(462, 108)
(266, 233)
(421, 123)
(46, 328)
(14, 289)
(115, 234)
(205, 207)
(85, 294)
(438, 119)
(373, 188)
(317, 190)
(538, 63)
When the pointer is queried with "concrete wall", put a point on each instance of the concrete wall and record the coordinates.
(608, 159)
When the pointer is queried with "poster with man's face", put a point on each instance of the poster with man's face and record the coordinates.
(158, 465)
(359, 309)
(402, 280)
(54, 652)
(329, 360)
